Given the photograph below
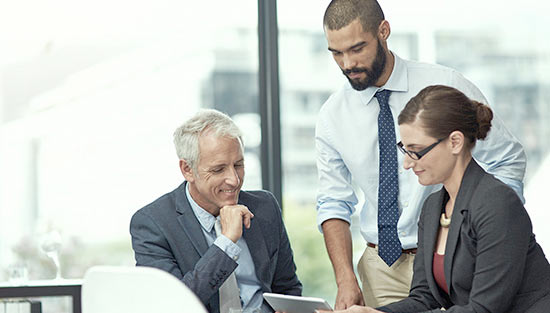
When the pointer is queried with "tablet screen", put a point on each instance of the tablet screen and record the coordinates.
(295, 304)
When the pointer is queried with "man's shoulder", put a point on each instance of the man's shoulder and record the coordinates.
(260, 202)
(255, 196)
(414, 67)
(421, 74)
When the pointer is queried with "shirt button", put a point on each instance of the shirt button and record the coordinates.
(405, 204)
(403, 233)
(235, 258)
(400, 171)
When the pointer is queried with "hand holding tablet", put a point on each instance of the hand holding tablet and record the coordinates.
(295, 304)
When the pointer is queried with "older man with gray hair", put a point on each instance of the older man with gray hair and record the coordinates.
(227, 245)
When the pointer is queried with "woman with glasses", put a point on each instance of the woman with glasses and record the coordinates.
(476, 250)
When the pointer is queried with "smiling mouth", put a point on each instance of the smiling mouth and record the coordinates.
(229, 191)
(418, 172)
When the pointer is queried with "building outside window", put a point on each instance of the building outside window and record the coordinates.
(90, 93)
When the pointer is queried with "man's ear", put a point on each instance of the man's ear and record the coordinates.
(187, 171)
(384, 30)
(457, 141)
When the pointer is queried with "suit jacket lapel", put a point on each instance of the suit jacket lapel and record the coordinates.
(431, 228)
(452, 239)
(254, 237)
(467, 188)
(189, 222)
(255, 241)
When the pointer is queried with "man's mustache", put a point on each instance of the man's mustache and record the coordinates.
(355, 70)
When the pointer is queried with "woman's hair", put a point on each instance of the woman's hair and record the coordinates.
(442, 110)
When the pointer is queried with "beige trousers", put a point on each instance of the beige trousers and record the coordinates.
(382, 284)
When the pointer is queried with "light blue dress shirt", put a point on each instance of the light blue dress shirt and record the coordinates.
(346, 138)
(249, 285)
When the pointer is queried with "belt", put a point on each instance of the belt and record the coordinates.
(406, 251)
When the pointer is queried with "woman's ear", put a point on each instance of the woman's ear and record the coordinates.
(457, 141)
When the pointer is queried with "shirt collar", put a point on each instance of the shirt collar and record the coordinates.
(398, 81)
(206, 219)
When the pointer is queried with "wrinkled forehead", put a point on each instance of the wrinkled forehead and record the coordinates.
(218, 147)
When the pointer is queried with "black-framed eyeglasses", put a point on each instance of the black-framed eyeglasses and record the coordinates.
(417, 155)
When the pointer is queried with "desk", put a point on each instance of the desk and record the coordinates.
(45, 288)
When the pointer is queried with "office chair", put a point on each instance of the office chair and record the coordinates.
(121, 289)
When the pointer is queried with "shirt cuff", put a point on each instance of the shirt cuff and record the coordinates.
(229, 247)
(323, 215)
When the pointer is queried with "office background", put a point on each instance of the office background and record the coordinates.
(91, 91)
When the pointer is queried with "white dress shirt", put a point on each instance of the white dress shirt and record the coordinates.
(249, 285)
(346, 137)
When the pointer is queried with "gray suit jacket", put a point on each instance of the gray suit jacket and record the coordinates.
(492, 261)
(167, 235)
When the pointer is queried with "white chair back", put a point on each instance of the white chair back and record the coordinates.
(118, 289)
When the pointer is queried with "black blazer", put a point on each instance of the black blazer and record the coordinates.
(492, 261)
(167, 235)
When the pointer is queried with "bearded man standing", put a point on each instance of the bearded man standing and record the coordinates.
(356, 138)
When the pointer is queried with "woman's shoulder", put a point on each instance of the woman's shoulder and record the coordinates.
(493, 200)
(492, 190)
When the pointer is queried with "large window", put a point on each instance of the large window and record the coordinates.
(501, 47)
(91, 91)
(90, 94)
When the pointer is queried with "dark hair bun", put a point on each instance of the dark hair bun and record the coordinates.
(484, 118)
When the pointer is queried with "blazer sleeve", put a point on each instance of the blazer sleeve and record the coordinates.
(285, 280)
(420, 298)
(153, 249)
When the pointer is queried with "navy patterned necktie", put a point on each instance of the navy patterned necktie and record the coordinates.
(389, 246)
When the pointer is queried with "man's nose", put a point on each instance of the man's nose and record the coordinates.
(232, 177)
(348, 62)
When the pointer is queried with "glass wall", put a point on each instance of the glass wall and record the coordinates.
(90, 94)
(91, 91)
(502, 47)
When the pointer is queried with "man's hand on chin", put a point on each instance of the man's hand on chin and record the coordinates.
(232, 218)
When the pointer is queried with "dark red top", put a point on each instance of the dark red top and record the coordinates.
(439, 273)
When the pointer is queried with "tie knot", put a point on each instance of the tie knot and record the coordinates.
(383, 96)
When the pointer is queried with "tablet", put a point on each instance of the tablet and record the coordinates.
(295, 304)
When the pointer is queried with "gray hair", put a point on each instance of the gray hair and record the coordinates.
(186, 137)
